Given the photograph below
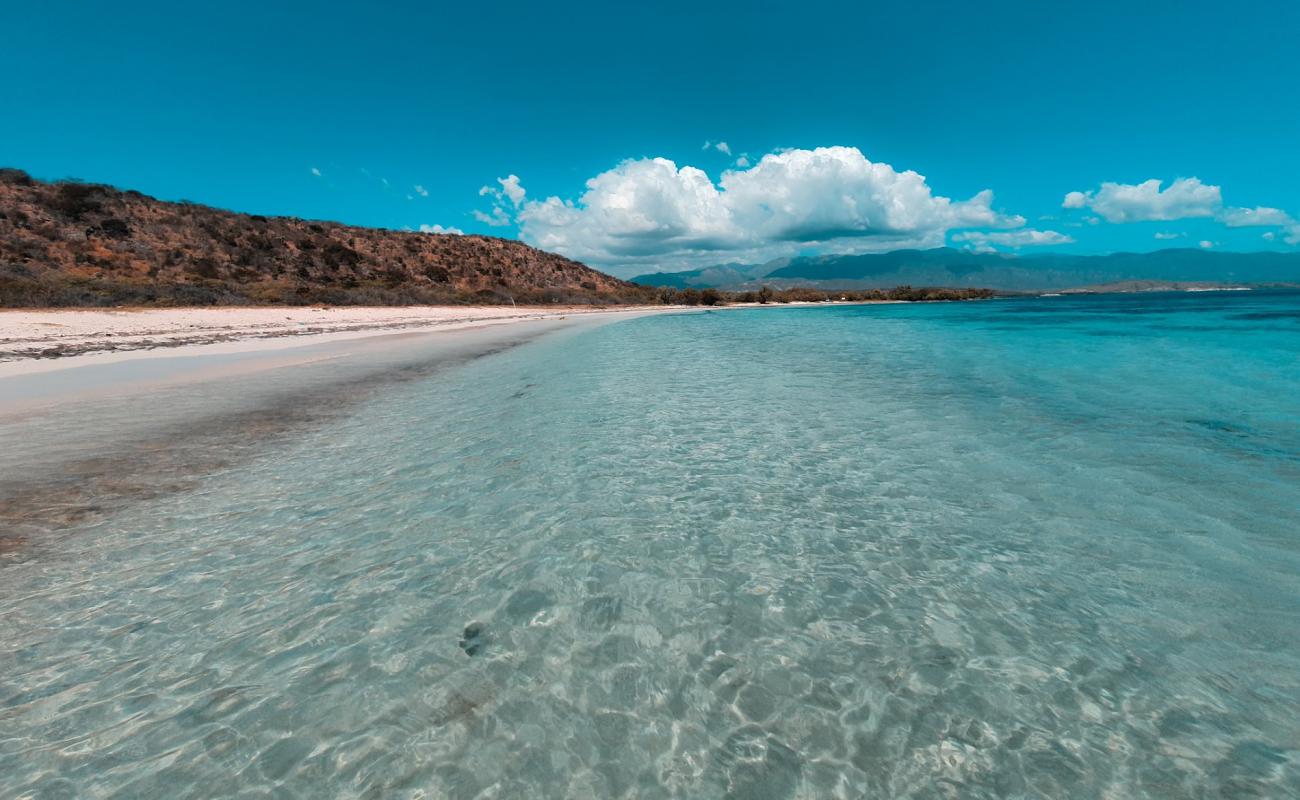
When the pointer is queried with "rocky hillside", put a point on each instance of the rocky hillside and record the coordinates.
(77, 244)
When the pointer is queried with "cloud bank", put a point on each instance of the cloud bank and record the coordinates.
(1119, 202)
(1185, 198)
(651, 210)
(1027, 237)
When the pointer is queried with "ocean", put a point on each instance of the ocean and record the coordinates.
(1042, 547)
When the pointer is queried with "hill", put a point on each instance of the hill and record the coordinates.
(949, 267)
(723, 275)
(77, 244)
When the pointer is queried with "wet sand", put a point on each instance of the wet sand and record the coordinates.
(84, 435)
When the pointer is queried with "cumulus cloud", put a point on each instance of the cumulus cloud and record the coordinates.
(510, 188)
(1184, 198)
(1027, 237)
(505, 201)
(1260, 216)
(421, 191)
(440, 229)
(721, 147)
(315, 171)
(743, 161)
(1122, 202)
(496, 219)
(1263, 216)
(651, 210)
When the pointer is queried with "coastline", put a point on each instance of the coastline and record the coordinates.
(87, 434)
(44, 339)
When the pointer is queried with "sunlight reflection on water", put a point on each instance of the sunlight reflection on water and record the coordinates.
(947, 550)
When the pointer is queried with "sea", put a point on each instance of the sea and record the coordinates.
(1026, 547)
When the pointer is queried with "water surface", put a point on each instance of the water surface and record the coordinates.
(1029, 548)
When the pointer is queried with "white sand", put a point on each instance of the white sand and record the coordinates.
(38, 341)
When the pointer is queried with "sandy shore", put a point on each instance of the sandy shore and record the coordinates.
(35, 341)
(84, 435)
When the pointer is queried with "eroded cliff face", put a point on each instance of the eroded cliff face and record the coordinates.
(67, 244)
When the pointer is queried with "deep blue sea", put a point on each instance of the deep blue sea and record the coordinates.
(1015, 548)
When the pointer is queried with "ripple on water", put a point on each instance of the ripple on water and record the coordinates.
(890, 551)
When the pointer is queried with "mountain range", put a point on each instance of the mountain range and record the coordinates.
(947, 266)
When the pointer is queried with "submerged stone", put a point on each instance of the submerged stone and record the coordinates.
(472, 639)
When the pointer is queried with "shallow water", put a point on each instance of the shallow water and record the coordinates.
(1029, 548)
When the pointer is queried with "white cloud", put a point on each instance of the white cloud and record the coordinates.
(1261, 216)
(421, 191)
(440, 229)
(315, 171)
(721, 147)
(1290, 234)
(1121, 202)
(504, 201)
(651, 210)
(1206, 244)
(1182, 199)
(1185, 197)
(743, 161)
(511, 188)
(1027, 237)
(496, 219)
(1165, 236)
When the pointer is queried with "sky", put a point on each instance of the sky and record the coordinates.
(641, 137)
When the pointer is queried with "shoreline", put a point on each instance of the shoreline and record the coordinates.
(94, 433)
(35, 341)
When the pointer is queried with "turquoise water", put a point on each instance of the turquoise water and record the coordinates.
(1022, 548)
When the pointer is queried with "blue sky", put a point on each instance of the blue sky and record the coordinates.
(235, 104)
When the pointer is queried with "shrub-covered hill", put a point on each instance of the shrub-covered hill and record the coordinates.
(78, 244)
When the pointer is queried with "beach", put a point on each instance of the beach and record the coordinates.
(103, 408)
(47, 335)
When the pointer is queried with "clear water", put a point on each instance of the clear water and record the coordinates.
(1031, 548)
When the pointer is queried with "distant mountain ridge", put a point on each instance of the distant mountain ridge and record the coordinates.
(947, 266)
(77, 244)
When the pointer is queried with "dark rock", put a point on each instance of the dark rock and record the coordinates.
(472, 639)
